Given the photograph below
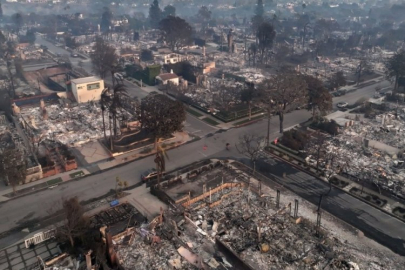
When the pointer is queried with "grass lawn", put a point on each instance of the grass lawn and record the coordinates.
(76, 174)
(54, 181)
(195, 113)
(247, 120)
(210, 121)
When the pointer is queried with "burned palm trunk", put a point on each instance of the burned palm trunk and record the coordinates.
(281, 118)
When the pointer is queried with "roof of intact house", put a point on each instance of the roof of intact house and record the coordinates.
(86, 80)
(167, 76)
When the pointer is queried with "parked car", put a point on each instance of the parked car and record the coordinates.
(149, 174)
(342, 104)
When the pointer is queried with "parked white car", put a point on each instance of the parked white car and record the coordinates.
(342, 104)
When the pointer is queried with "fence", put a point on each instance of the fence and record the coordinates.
(39, 238)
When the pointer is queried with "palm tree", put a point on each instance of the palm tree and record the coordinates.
(118, 92)
(104, 103)
(160, 160)
(113, 70)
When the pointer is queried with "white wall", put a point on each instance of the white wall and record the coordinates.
(83, 95)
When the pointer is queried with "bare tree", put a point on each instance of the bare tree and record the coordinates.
(225, 96)
(75, 223)
(250, 145)
(286, 90)
(316, 146)
(265, 36)
(247, 95)
(363, 67)
(252, 53)
(334, 165)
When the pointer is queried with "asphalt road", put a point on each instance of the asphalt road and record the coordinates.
(372, 222)
(365, 92)
(38, 205)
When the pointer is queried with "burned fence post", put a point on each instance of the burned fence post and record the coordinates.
(295, 208)
(318, 222)
(278, 199)
(260, 188)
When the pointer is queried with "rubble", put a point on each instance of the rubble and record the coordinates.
(375, 149)
(222, 218)
(72, 126)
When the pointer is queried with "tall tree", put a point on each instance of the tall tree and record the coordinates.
(204, 15)
(395, 67)
(70, 42)
(155, 14)
(30, 36)
(287, 90)
(106, 18)
(119, 92)
(250, 145)
(2, 39)
(105, 101)
(320, 99)
(75, 223)
(265, 36)
(1, 11)
(247, 95)
(161, 116)
(146, 55)
(13, 167)
(252, 52)
(259, 8)
(225, 96)
(337, 80)
(258, 17)
(169, 10)
(176, 32)
(17, 19)
(103, 57)
(363, 67)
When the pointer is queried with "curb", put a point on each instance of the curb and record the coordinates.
(249, 123)
(354, 196)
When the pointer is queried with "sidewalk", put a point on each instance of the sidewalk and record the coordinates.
(179, 139)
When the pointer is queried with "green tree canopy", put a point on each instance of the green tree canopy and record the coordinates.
(155, 14)
(13, 167)
(176, 32)
(161, 116)
(320, 98)
(103, 58)
(169, 10)
(395, 67)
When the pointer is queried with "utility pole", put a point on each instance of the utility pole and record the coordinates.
(268, 125)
